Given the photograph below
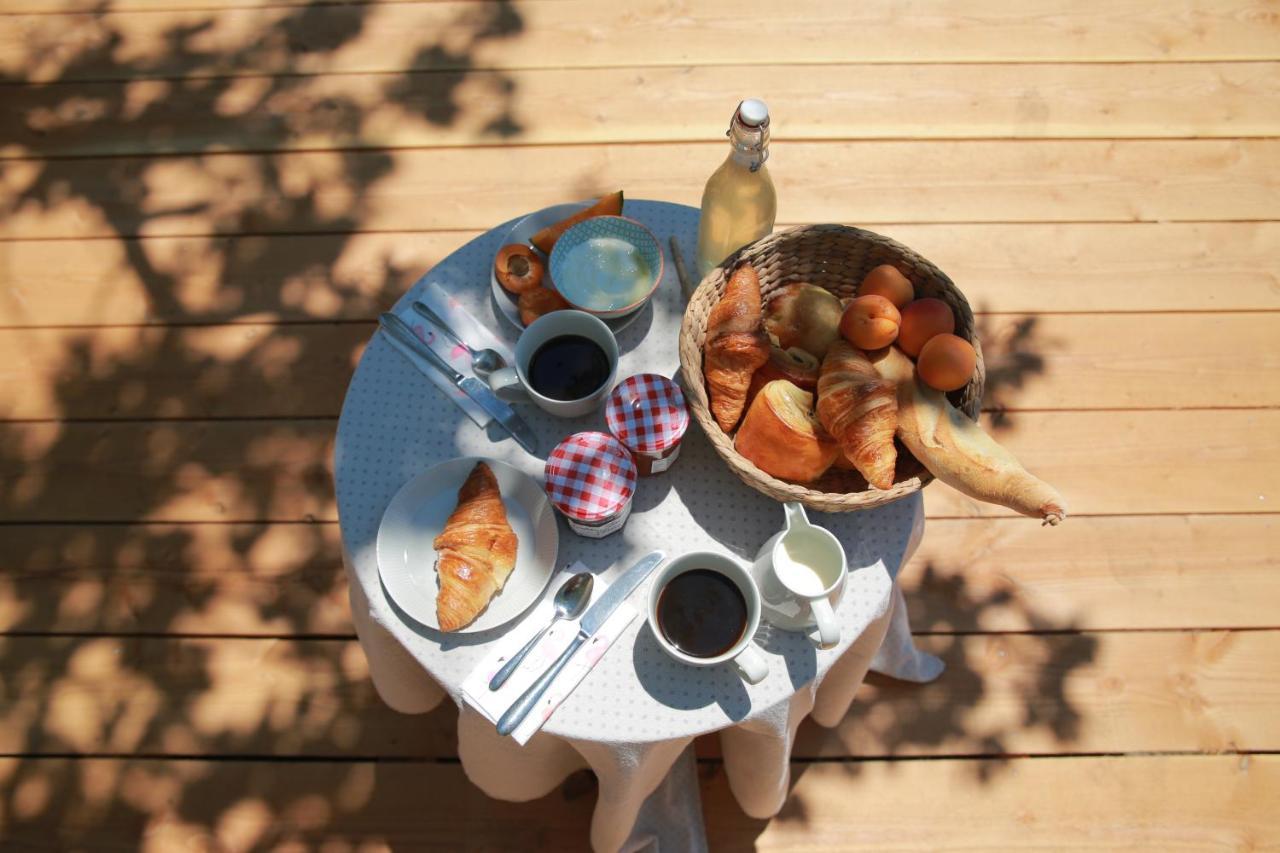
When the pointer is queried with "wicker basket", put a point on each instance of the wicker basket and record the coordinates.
(835, 257)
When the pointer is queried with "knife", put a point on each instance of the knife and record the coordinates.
(472, 387)
(590, 623)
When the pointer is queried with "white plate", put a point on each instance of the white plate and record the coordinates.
(520, 233)
(416, 515)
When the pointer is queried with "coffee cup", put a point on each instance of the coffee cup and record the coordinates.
(566, 363)
(800, 572)
(704, 609)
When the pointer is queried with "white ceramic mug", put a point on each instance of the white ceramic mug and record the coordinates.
(745, 656)
(801, 572)
(512, 383)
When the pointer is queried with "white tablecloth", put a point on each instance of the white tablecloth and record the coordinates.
(632, 719)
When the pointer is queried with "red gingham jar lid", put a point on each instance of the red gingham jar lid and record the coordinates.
(590, 476)
(647, 413)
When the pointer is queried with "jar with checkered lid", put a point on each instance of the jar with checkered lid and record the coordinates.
(647, 413)
(590, 477)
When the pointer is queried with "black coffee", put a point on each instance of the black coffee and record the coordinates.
(702, 613)
(569, 367)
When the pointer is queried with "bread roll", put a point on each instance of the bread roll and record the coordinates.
(794, 365)
(803, 315)
(782, 437)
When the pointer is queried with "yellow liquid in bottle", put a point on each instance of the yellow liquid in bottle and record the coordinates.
(738, 207)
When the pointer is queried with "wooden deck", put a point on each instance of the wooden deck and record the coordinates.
(204, 204)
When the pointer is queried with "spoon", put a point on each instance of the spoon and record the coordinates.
(570, 600)
(483, 361)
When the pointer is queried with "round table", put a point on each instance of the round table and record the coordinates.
(633, 715)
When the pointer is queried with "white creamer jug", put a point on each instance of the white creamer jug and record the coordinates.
(801, 572)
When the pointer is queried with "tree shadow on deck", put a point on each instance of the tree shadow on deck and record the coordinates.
(172, 587)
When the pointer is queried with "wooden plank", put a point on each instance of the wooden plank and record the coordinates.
(1105, 463)
(212, 280)
(969, 575)
(1134, 803)
(862, 182)
(1105, 267)
(1001, 694)
(1130, 360)
(1152, 100)
(168, 471)
(190, 579)
(1070, 693)
(244, 370)
(128, 804)
(214, 696)
(1097, 573)
(1116, 463)
(1008, 268)
(581, 33)
(62, 7)
(259, 370)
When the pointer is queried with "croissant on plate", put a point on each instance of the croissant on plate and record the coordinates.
(735, 347)
(860, 410)
(476, 551)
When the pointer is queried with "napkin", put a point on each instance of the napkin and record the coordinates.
(494, 703)
(464, 326)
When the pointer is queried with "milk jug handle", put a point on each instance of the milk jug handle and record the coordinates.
(795, 515)
(828, 626)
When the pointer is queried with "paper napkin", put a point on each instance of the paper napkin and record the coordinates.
(492, 704)
(464, 326)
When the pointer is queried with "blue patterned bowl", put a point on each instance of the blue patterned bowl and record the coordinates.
(585, 282)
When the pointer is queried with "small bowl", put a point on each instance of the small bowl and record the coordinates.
(578, 290)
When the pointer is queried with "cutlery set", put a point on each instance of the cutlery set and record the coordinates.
(481, 360)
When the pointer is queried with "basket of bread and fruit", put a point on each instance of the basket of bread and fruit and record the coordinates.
(835, 367)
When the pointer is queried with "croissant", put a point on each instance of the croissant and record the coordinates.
(476, 551)
(736, 346)
(958, 452)
(860, 410)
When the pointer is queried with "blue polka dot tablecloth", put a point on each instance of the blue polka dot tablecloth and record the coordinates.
(395, 423)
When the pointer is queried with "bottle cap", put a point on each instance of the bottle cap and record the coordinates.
(753, 112)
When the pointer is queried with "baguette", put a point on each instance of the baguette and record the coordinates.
(958, 452)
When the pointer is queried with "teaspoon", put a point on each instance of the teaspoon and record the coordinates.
(570, 600)
(483, 361)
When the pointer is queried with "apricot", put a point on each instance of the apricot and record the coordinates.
(541, 300)
(870, 322)
(885, 280)
(946, 362)
(518, 268)
(921, 320)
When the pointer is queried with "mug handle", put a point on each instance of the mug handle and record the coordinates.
(828, 627)
(506, 385)
(751, 665)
